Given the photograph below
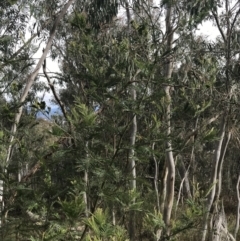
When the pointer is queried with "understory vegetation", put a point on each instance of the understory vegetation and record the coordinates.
(146, 145)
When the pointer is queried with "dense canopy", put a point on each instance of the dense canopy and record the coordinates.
(146, 143)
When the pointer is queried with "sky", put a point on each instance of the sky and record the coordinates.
(207, 29)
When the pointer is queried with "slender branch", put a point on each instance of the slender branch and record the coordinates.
(195, 131)
(156, 177)
(234, 20)
(33, 75)
(60, 103)
(225, 146)
(219, 27)
(180, 188)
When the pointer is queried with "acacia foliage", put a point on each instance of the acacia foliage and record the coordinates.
(100, 58)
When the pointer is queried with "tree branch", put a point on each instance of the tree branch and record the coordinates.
(33, 75)
(219, 27)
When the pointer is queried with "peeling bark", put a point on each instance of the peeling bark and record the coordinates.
(220, 227)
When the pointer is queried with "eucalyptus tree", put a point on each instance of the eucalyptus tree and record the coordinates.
(150, 70)
(19, 12)
(99, 75)
(102, 71)
(227, 27)
(209, 68)
(14, 64)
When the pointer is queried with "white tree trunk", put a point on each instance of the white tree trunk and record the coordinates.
(169, 152)
(163, 188)
(156, 177)
(220, 227)
(133, 141)
(184, 176)
(219, 175)
(133, 184)
(213, 179)
(85, 178)
(185, 179)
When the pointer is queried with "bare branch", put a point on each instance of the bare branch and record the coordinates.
(219, 27)
(60, 103)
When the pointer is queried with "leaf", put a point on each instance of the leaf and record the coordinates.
(204, 107)
(82, 113)
(57, 131)
(210, 189)
(211, 135)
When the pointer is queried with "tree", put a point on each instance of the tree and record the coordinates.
(29, 83)
(149, 114)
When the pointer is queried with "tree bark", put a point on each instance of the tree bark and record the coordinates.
(169, 152)
(185, 179)
(214, 178)
(163, 188)
(133, 184)
(156, 177)
(219, 177)
(220, 230)
(86, 182)
(184, 185)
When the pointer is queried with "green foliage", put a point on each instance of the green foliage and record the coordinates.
(73, 208)
(153, 222)
(79, 20)
(128, 201)
(75, 178)
(199, 10)
(102, 229)
(84, 115)
(57, 131)
(211, 135)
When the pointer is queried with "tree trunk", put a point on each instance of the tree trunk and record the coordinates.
(85, 178)
(219, 227)
(156, 177)
(169, 153)
(163, 188)
(219, 176)
(184, 185)
(214, 178)
(133, 185)
(184, 176)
